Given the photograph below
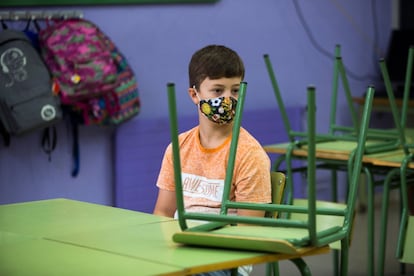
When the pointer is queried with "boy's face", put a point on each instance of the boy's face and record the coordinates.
(223, 87)
(220, 111)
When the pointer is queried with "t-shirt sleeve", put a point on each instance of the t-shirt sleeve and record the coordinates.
(165, 179)
(253, 182)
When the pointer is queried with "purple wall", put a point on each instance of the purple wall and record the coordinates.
(140, 146)
(158, 41)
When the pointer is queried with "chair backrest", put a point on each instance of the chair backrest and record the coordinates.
(399, 121)
(313, 237)
(405, 243)
(388, 139)
(338, 73)
(278, 180)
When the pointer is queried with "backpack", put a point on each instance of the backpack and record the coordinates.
(94, 78)
(97, 86)
(27, 101)
(115, 107)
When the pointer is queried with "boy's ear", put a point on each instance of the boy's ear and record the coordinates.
(193, 95)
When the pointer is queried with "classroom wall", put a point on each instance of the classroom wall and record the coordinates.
(158, 41)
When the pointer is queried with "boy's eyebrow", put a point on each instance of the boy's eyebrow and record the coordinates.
(217, 85)
(222, 85)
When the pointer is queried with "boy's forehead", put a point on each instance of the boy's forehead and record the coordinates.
(221, 81)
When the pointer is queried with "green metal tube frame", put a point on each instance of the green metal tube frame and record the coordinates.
(218, 220)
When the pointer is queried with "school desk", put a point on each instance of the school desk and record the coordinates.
(381, 103)
(67, 237)
(334, 155)
(338, 152)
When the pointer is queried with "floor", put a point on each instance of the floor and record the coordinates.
(322, 265)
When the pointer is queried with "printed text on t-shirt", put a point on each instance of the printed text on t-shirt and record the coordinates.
(201, 187)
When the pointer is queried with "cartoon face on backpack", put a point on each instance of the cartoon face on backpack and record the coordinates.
(27, 102)
(13, 62)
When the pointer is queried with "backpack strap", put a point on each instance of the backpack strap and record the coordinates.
(5, 134)
(74, 123)
(49, 140)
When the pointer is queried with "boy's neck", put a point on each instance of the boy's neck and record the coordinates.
(212, 136)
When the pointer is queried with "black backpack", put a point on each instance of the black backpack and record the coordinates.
(27, 102)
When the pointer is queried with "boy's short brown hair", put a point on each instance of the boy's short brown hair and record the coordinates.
(214, 62)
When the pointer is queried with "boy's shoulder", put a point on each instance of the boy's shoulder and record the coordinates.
(189, 132)
(246, 137)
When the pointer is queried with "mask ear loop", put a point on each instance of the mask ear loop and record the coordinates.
(198, 97)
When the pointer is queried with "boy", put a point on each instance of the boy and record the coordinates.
(215, 73)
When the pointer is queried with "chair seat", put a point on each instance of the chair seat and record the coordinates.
(255, 238)
(408, 253)
(323, 222)
(286, 240)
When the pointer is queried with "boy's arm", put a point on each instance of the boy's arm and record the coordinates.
(250, 213)
(166, 204)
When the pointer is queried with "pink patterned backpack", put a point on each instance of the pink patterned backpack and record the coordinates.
(94, 79)
(95, 83)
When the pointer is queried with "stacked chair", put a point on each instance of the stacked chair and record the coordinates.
(335, 147)
(400, 173)
(301, 229)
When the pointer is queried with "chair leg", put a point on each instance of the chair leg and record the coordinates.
(384, 221)
(334, 196)
(344, 256)
(362, 196)
(272, 269)
(335, 257)
(371, 221)
(402, 265)
(302, 266)
(235, 271)
(334, 181)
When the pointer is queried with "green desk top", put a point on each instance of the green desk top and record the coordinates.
(337, 146)
(58, 216)
(43, 257)
(154, 242)
(67, 237)
(388, 159)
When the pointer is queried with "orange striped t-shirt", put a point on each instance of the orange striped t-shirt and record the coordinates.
(203, 172)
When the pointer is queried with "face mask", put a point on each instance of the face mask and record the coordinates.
(220, 110)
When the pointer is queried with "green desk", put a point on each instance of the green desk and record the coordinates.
(46, 217)
(339, 151)
(334, 155)
(44, 257)
(66, 237)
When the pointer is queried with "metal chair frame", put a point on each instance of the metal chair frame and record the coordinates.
(382, 140)
(398, 177)
(211, 232)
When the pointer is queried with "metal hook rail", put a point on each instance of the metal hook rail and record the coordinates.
(39, 15)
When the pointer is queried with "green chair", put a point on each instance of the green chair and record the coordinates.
(381, 140)
(378, 140)
(405, 246)
(293, 237)
(294, 136)
(278, 181)
(398, 177)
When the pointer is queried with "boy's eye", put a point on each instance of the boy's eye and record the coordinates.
(235, 91)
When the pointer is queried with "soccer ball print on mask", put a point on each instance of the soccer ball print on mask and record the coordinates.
(220, 110)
